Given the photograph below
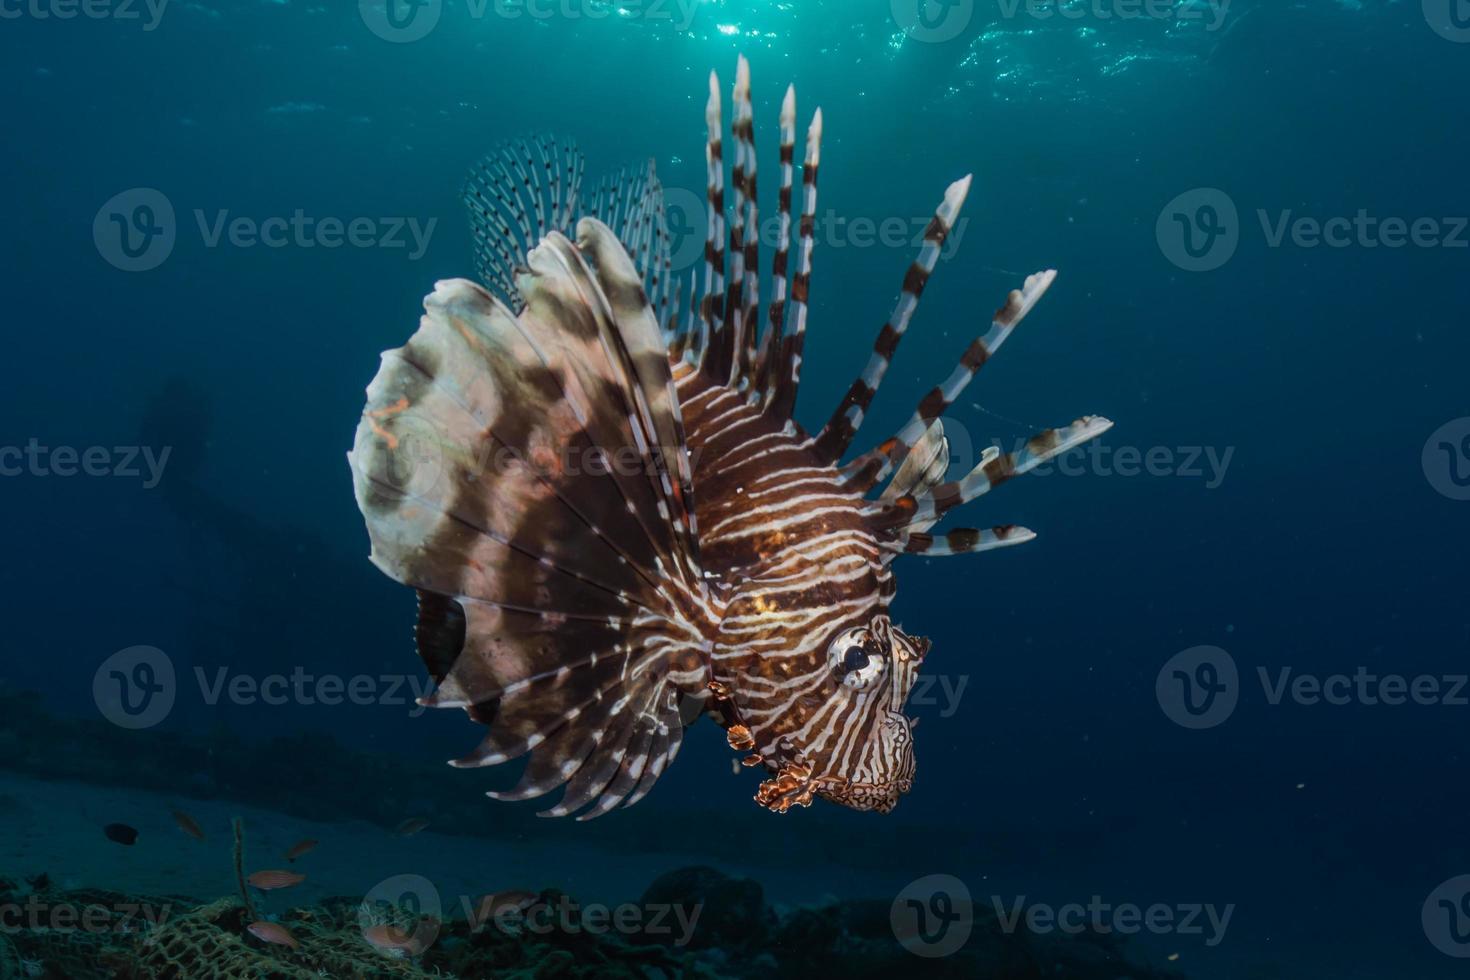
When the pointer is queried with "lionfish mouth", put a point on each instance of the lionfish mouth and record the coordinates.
(879, 797)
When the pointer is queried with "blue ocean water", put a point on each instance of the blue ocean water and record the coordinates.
(1258, 212)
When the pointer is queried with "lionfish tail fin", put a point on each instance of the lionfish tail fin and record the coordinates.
(527, 474)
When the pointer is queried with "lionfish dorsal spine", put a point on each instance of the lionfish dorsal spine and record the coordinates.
(734, 327)
(787, 376)
(711, 303)
(770, 341)
(832, 442)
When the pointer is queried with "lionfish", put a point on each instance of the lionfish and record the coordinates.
(609, 512)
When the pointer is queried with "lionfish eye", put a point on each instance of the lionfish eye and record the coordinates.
(857, 659)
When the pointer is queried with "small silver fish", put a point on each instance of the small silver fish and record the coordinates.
(411, 826)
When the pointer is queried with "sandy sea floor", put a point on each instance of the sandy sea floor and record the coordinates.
(56, 828)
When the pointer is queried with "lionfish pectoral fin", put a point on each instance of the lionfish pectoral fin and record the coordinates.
(526, 473)
(832, 442)
(870, 469)
(526, 189)
(905, 518)
(924, 466)
(966, 540)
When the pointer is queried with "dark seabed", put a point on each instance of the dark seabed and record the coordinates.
(1211, 724)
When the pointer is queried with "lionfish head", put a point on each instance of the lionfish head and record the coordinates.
(870, 761)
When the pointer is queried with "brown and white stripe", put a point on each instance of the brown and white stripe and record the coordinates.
(571, 611)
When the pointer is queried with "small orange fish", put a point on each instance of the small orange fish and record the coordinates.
(270, 932)
(302, 849)
(271, 880)
(188, 824)
(410, 826)
(394, 940)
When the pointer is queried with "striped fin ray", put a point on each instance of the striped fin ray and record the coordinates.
(749, 326)
(787, 378)
(870, 469)
(650, 379)
(770, 342)
(514, 195)
(924, 467)
(732, 329)
(832, 442)
(631, 203)
(569, 312)
(712, 301)
(527, 188)
(437, 419)
(645, 748)
(663, 748)
(561, 603)
(994, 469)
(966, 540)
